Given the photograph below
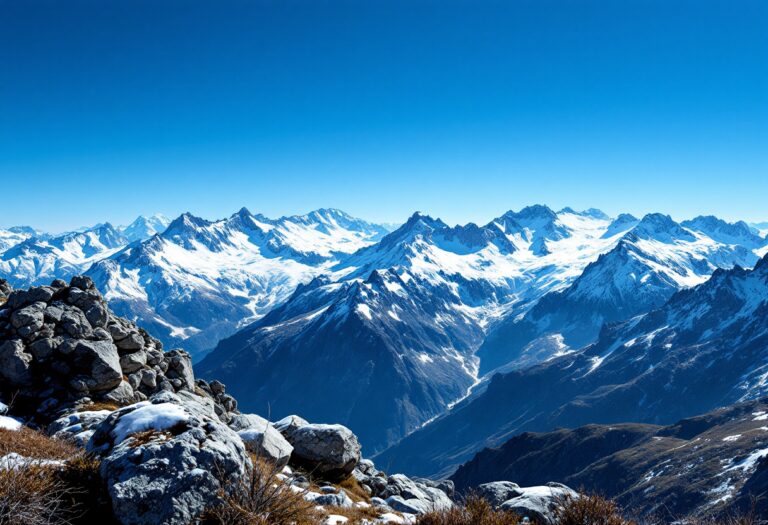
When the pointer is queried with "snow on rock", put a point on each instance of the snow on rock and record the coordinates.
(146, 416)
(170, 477)
(14, 461)
(9, 423)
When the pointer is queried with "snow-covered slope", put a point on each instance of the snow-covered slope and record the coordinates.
(198, 281)
(15, 235)
(41, 259)
(706, 347)
(145, 227)
(654, 259)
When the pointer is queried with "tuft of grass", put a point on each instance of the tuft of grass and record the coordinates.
(356, 515)
(474, 511)
(354, 489)
(142, 438)
(102, 405)
(588, 509)
(34, 496)
(68, 494)
(262, 499)
(35, 445)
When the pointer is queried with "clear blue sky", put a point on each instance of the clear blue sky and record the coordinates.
(112, 108)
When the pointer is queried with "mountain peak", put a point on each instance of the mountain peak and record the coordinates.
(591, 212)
(660, 227)
(725, 232)
(534, 211)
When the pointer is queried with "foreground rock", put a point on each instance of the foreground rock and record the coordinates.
(165, 460)
(329, 451)
(538, 503)
(61, 347)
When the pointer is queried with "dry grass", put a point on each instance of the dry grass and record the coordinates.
(142, 438)
(357, 516)
(355, 490)
(32, 444)
(588, 509)
(51, 495)
(102, 405)
(262, 500)
(34, 496)
(475, 511)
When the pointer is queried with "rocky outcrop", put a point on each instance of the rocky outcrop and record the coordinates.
(165, 460)
(61, 347)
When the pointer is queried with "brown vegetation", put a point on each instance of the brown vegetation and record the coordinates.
(475, 511)
(35, 445)
(588, 509)
(262, 500)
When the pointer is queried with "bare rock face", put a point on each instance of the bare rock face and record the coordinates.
(61, 346)
(177, 468)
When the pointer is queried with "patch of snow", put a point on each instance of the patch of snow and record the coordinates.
(750, 461)
(149, 417)
(734, 437)
(9, 423)
(364, 310)
(14, 461)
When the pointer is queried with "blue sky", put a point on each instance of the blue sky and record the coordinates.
(463, 110)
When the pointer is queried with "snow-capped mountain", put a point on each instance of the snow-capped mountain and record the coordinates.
(706, 347)
(651, 261)
(40, 259)
(145, 227)
(198, 281)
(397, 323)
(15, 235)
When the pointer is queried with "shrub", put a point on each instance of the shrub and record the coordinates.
(355, 489)
(71, 493)
(588, 510)
(262, 499)
(474, 511)
(33, 496)
(36, 445)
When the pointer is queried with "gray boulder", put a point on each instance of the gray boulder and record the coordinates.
(246, 421)
(497, 492)
(180, 367)
(102, 363)
(29, 319)
(15, 363)
(538, 503)
(267, 443)
(329, 451)
(289, 424)
(5, 290)
(172, 474)
(406, 495)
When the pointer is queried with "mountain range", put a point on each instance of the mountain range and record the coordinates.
(392, 333)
